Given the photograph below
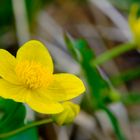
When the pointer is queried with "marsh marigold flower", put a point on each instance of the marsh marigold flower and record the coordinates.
(134, 22)
(68, 115)
(29, 78)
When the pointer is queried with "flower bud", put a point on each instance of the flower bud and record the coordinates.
(68, 114)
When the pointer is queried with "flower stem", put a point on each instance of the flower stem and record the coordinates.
(18, 130)
(113, 53)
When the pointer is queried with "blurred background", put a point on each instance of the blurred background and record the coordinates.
(77, 33)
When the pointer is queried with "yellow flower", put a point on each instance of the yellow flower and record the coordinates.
(134, 23)
(29, 78)
(68, 115)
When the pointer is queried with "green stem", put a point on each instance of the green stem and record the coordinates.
(115, 123)
(113, 53)
(18, 130)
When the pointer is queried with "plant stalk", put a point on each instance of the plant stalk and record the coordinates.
(18, 130)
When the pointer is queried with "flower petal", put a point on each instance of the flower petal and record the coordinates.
(11, 91)
(35, 51)
(7, 66)
(21, 94)
(43, 105)
(64, 87)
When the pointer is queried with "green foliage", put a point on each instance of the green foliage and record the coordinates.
(12, 111)
(126, 76)
(29, 134)
(115, 123)
(71, 48)
(6, 15)
(131, 99)
(98, 86)
(13, 115)
(100, 90)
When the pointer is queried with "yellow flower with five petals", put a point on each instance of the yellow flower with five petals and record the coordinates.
(29, 78)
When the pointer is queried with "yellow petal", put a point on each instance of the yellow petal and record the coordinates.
(35, 51)
(11, 91)
(43, 105)
(64, 87)
(133, 15)
(7, 66)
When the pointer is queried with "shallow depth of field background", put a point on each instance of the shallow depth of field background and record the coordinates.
(100, 24)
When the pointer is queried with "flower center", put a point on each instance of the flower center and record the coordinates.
(32, 74)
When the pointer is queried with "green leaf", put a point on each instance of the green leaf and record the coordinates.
(14, 114)
(98, 86)
(13, 118)
(71, 47)
(5, 13)
(115, 123)
(29, 134)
